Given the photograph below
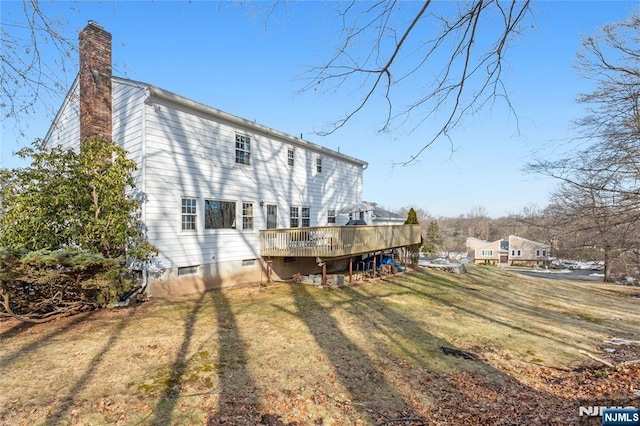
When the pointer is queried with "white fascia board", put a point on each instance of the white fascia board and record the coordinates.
(66, 100)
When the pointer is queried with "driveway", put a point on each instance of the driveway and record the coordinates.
(565, 274)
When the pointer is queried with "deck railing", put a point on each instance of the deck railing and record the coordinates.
(335, 241)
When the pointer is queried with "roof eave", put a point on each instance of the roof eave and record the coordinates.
(180, 100)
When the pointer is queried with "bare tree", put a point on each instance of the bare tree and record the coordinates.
(450, 54)
(29, 78)
(599, 195)
(600, 222)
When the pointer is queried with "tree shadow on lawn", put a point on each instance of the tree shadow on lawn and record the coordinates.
(163, 412)
(393, 368)
(238, 396)
(13, 330)
(38, 342)
(236, 402)
(370, 392)
(418, 283)
(449, 390)
(58, 413)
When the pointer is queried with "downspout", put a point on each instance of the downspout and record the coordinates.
(143, 176)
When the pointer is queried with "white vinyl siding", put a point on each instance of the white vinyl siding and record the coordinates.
(187, 150)
(191, 154)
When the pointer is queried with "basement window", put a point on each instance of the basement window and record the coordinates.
(188, 270)
(248, 262)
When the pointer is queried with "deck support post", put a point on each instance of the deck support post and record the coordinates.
(350, 270)
(324, 273)
(374, 265)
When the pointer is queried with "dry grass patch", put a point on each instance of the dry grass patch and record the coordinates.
(362, 354)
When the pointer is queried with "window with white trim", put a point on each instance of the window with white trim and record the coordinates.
(486, 253)
(331, 216)
(188, 270)
(319, 164)
(219, 214)
(290, 157)
(294, 217)
(243, 149)
(247, 215)
(272, 216)
(516, 252)
(189, 214)
(306, 217)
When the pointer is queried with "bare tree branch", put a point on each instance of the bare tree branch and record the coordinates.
(461, 62)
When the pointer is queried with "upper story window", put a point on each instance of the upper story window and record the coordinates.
(331, 216)
(219, 214)
(306, 217)
(247, 215)
(294, 217)
(290, 157)
(243, 149)
(188, 214)
(516, 252)
(319, 164)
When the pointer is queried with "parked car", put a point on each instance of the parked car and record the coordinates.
(597, 266)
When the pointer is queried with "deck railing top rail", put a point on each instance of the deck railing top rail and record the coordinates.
(335, 241)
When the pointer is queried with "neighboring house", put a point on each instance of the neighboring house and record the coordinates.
(366, 213)
(514, 251)
(224, 199)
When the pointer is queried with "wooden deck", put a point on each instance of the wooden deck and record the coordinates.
(326, 242)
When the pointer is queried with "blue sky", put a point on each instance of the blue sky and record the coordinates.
(223, 55)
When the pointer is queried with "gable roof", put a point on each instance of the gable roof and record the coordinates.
(154, 91)
(524, 240)
(211, 111)
(380, 213)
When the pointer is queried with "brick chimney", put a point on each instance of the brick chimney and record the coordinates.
(95, 82)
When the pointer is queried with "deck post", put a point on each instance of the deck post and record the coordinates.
(374, 265)
(350, 270)
(324, 273)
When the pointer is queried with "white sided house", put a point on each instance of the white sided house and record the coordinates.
(225, 200)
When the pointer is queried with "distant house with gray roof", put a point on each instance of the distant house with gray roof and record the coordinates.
(513, 251)
(367, 213)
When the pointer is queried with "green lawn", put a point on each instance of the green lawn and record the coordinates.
(362, 354)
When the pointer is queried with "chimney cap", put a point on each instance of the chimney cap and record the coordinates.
(94, 24)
